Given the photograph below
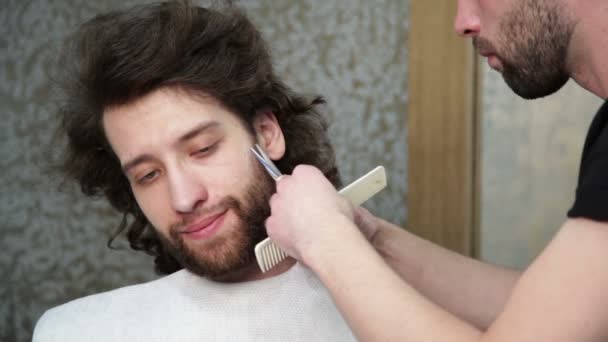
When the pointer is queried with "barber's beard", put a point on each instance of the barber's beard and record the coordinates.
(233, 248)
(534, 41)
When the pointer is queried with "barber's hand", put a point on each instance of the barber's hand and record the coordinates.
(308, 213)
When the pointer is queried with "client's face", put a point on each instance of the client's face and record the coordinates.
(188, 162)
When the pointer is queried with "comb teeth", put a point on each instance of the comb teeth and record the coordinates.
(268, 254)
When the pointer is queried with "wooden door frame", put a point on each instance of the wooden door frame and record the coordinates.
(443, 130)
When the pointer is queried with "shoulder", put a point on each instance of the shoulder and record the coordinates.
(597, 137)
(67, 321)
(592, 191)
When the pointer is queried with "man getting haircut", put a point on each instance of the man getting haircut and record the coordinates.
(163, 102)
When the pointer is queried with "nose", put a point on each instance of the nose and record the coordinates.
(187, 190)
(467, 23)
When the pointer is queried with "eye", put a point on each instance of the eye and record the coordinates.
(147, 178)
(205, 150)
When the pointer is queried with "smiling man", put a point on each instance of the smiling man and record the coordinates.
(196, 181)
(163, 103)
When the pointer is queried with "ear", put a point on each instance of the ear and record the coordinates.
(269, 134)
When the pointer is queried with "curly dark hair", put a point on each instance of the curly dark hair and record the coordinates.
(118, 57)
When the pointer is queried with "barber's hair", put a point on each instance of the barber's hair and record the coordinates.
(119, 57)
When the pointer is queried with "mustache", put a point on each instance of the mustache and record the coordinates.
(483, 46)
(226, 203)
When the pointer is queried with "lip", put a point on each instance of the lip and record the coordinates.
(486, 53)
(483, 47)
(492, 59)
(494, 62)
(205, 227)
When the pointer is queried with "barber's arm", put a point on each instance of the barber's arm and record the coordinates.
(470, 289)
(561, 297)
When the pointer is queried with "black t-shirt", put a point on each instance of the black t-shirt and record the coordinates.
(592, 191)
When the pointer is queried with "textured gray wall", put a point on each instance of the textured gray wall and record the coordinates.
(530, 157)
(53, 243)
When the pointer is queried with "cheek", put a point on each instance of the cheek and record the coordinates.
(229, 180)
(152, 203)
(494, 11)
(230, 173)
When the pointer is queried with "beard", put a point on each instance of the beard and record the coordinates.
(233, 251)
(535, 36)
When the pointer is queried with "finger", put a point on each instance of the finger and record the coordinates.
(272, 202)
(281, 181)
(268, 224)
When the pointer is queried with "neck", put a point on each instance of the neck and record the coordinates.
(252, 272)
(589, 47)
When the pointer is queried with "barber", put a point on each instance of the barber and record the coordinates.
(393, 286)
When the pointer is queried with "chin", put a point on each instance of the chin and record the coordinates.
(531, 89)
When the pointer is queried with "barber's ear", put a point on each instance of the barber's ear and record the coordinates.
(269, 134)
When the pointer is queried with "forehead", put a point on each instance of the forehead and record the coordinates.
(161, 117)
(168, 103)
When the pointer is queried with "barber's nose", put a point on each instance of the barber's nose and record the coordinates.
(467, 23)
(187, 190)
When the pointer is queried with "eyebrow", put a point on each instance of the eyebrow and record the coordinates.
(196, 131)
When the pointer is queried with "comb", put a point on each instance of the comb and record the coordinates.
(268, 254)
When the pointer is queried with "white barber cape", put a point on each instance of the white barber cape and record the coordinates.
(293, 306)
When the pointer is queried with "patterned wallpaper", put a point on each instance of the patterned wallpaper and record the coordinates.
(53, 242)
(529, 167)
